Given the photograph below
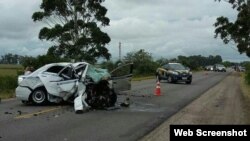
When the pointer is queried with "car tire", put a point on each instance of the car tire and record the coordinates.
(189, 82)
(39, 96)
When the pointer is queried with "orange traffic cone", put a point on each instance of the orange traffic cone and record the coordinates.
(158, 89)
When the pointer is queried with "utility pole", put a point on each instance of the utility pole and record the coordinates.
(120, 51)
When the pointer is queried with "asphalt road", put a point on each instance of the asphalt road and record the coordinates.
(60, 123)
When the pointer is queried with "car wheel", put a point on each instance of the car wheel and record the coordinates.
(189, 82)
(39, 96)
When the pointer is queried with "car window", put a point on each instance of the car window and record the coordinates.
(220, 66)
(122, 71)
(177, 67)
(55, 69)
(166, 66)
(68, 73)
(80, 68)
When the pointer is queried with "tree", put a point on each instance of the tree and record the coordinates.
(74, 26)
(143, 62)
(197, 61)
(10, 59)
(237, 31)
(41, 60)
(162, 61)
(227, 63)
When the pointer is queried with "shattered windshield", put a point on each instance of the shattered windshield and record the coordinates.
(97, 74)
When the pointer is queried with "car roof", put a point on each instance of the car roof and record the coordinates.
(66, 63)
(63, 64)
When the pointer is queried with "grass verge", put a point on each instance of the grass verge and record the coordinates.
(245, 88)
(7, 94)
(140, 78)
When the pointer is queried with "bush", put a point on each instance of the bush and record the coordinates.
(247, 76)
(8, 83)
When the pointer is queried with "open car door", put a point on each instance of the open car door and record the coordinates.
(121, 77)
(71, 76)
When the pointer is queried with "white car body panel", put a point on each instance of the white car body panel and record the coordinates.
(32, 82)
(79, 102)
(50, 82)
(23, 93)
(67, 88)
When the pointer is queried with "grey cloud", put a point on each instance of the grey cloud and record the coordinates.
(166, 28)
(16, 22)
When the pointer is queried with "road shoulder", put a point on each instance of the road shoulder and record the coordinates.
(213, 107)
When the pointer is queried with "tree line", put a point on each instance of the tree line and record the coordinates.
(145, 64)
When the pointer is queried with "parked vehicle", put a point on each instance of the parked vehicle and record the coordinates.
(219, 68)
(209, 68)
(242, 69)
(58, 82)
(174, 72)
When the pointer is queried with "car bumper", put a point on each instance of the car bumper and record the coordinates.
(223, 70)
(23, 93)
(182, 78)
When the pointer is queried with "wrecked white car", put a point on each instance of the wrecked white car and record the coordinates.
(80, 83)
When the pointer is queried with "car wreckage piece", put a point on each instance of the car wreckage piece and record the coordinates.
(80, 83)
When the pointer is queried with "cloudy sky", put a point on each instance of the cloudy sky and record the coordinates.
(165, 28)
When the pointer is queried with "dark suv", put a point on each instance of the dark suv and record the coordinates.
(174, 72)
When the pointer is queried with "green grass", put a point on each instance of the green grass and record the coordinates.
(245, 88)
(8, 80)
(10, 70)
(10, 66)
(7, 94)
(140, 78)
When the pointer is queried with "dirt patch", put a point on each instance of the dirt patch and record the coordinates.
(222, 104)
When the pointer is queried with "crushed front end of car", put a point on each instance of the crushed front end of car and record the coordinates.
(95, 90)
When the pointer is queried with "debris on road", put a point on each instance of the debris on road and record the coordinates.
(7, 113)
(125, 103)
(113, 108)
(19, 112)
